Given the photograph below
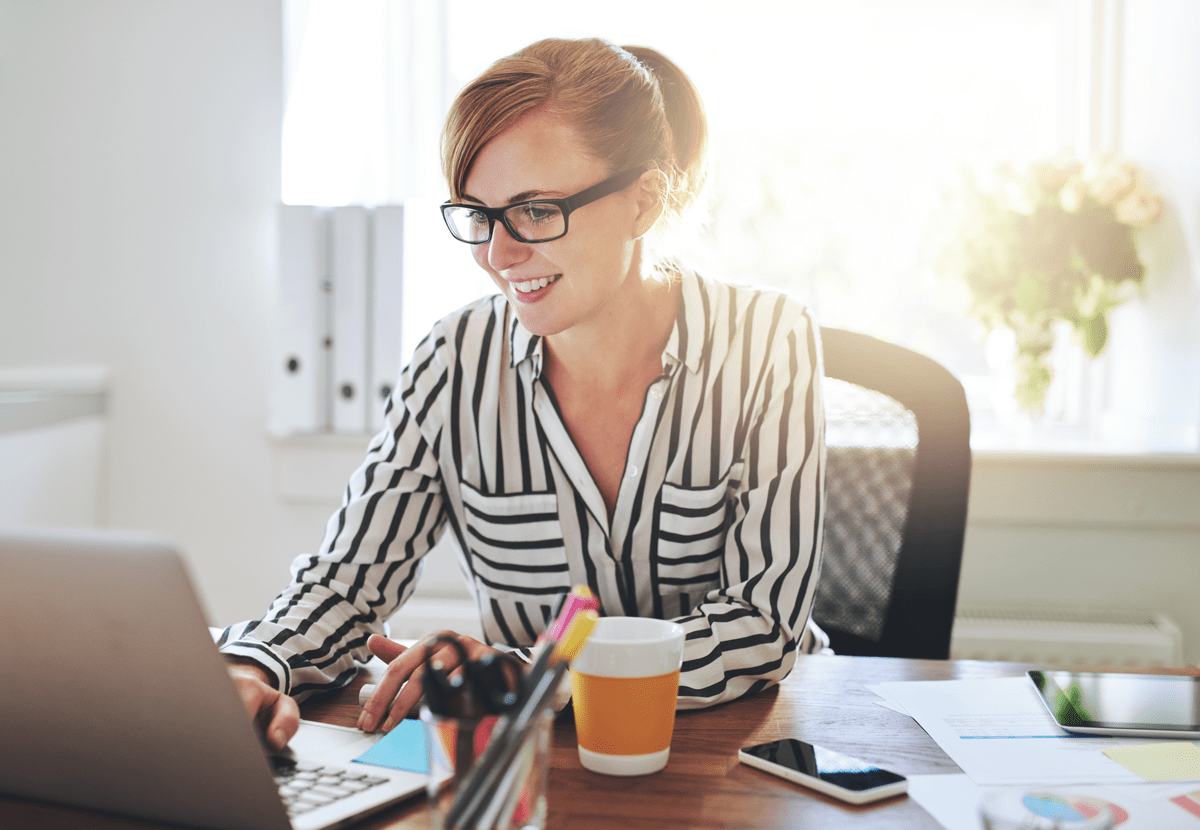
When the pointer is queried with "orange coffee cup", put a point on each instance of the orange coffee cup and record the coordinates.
(624, 685)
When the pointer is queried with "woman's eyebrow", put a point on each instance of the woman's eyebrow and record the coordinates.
(523, 196)
(527, 195)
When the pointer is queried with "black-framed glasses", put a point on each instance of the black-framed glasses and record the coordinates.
(538, 220)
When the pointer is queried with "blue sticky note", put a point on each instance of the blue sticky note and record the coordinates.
(402, 748)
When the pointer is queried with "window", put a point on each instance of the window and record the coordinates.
(834, 127)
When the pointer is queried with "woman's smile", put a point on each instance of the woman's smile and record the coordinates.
(528, 288)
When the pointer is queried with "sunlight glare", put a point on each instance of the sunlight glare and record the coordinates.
(336, 105)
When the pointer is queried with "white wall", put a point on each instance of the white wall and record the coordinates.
(139, 170)
(1088, 532)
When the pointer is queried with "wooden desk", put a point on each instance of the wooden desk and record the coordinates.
(823, 700)
(704, 787)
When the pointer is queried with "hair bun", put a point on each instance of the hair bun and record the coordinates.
(685, 115)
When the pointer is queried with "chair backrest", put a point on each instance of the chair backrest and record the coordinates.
(897, 476)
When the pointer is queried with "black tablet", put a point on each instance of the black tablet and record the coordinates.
(1113, 703)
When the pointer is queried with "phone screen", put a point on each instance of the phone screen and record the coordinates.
(825, 764)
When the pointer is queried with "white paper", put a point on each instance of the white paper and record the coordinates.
(953, 801)
(1000, 734)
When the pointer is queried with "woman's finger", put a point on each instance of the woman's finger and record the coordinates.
(385, 649)
(284, 720)
(277, 715)
(402, 662)
(445, 658)
(399, 675)
(448, 660)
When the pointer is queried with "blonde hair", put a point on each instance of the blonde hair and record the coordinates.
(631, 106)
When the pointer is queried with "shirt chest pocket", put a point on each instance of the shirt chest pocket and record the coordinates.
(515, 542)
(692, 524)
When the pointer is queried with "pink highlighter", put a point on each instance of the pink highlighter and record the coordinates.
(580, 599)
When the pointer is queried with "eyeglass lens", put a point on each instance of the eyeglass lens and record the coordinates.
(532, 222)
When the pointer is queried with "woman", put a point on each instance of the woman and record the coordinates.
(609, 419)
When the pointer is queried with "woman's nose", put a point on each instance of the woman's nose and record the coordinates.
(503, 252)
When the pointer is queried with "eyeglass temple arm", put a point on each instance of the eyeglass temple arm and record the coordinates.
(599, 191)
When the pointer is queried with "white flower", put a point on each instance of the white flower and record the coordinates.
(1052, 174)
(1022, 196)
(1141, 207)
(1072, 193)
(1110, 180)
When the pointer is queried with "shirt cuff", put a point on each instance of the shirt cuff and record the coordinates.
(262, 656)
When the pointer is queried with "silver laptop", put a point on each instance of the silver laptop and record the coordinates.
(114, 698)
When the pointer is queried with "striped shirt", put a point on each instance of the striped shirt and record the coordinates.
(717, 522)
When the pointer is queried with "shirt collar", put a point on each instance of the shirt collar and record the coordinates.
(691, 340)
(522, 344)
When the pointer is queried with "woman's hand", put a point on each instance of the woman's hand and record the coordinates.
(400, 689)
(276, 715)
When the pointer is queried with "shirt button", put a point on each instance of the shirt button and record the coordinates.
(656, 392)
(633, 471)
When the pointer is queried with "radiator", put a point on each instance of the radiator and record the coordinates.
(1066, 637)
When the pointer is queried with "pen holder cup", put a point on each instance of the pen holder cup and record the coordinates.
(454, 745)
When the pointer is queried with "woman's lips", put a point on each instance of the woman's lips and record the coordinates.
(529, 286)
(530, 291)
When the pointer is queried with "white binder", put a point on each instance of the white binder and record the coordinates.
(300, 371)
(348, 274)
(387, 278)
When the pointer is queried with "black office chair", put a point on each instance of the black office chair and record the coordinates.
(897, 476)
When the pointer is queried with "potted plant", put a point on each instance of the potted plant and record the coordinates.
(1054, 241)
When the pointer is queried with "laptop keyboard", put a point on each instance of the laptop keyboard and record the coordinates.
(304, 786)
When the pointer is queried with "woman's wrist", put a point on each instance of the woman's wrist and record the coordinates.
(246, 667)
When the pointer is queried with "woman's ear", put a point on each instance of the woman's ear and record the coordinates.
(650, 193)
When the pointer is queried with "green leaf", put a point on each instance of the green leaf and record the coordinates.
(1031, 295)
(1033, 380)
(1094, 332)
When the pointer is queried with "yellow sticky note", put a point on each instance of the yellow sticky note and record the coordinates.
(1174, 761)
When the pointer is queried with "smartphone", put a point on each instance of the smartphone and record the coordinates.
(849, 779)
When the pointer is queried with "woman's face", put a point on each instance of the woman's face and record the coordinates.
(568, 282)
